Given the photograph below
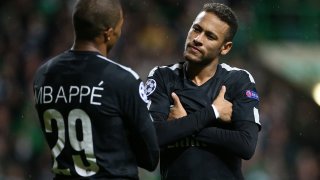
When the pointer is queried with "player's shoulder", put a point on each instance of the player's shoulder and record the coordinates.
(120, 70)
(46, 65)
(235, 73)
(166, 68)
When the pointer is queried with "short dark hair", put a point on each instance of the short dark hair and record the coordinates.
(90, 17)
(225, 14)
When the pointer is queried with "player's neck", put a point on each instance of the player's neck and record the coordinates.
(200, 74)
(80, 45)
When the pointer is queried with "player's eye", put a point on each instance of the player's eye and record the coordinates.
(196, 29)
(211, 36)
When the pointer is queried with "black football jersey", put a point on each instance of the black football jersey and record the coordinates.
(94, 116)
(183, 155)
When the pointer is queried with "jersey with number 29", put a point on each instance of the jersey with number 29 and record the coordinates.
(94, 117)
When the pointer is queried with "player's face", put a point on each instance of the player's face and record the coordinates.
(206, 39)
(116, 33)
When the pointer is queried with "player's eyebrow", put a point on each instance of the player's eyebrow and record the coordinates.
(211, 34)
(207, 33)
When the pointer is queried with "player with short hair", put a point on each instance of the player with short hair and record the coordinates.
(92, 110)
(205, 113)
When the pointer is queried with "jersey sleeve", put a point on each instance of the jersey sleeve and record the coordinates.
(241, 140)
(142, 132)
(157, 92)
(245, 99)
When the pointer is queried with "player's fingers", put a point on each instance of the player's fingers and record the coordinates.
(176, 100)
(222, 92)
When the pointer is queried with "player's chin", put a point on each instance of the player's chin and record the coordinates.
(191, 57)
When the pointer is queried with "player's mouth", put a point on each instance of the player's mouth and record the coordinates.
(194, 49)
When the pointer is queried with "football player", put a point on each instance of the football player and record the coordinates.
(92, 110)
(206, 113)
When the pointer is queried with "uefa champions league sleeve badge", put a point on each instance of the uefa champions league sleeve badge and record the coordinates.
(150, 86)
(143, 93)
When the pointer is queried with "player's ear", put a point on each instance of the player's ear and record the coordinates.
(107, 34)
(226, 48)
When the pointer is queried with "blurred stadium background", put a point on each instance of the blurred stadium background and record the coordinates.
(278, 42)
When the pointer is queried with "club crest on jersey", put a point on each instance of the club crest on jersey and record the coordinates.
(142, 92)
(150, 86)
(252, 94)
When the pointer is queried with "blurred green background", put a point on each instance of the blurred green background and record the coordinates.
(277, 41)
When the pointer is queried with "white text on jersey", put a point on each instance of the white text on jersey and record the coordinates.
(71, 94)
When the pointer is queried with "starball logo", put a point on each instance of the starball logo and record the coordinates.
(252, 94)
